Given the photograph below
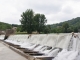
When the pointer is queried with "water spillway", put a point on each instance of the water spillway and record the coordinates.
(63, 40)
(69, 44)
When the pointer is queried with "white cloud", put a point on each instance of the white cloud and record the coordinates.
(55, 10)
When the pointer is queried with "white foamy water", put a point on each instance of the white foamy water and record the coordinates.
(69, 44)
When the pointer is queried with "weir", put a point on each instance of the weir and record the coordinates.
(70, 45)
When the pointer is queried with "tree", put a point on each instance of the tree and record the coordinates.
(27, 20)
(40, 21)
(65, 26)
(70, 29)
(47, 29)
(32, 22)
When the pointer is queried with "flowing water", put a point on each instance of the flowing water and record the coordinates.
(70, 44)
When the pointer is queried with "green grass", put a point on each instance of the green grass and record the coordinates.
(21, 33)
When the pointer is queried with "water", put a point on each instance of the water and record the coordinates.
(64, 41)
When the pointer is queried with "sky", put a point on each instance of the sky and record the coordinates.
(55, 10)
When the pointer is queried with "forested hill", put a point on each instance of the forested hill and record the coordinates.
(74, 24)
(4, 26)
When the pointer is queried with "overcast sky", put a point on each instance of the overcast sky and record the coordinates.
(55, 10)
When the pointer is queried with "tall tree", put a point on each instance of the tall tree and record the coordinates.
(40, 21)
(27, 20)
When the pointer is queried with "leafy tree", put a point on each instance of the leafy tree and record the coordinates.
(47, 29)
(65, 26)
(70, 29)
(27, 20)
(40, 21)
(75, 29)
(58, 29)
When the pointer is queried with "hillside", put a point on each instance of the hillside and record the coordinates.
(74, 25)
(4, 26)
(72, 22)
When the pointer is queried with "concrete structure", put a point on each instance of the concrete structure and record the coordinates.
(8, 54)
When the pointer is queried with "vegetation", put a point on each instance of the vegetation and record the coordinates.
(32, 22)
(40, 21)
(72, 25)
(4, 26)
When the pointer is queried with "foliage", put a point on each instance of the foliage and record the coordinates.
(32, 22)
(65, 27)
(47, 29)
(72, 25)
(40, 21)
(4, 26)
(27, 20)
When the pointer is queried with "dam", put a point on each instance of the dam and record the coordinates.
(61, 46)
